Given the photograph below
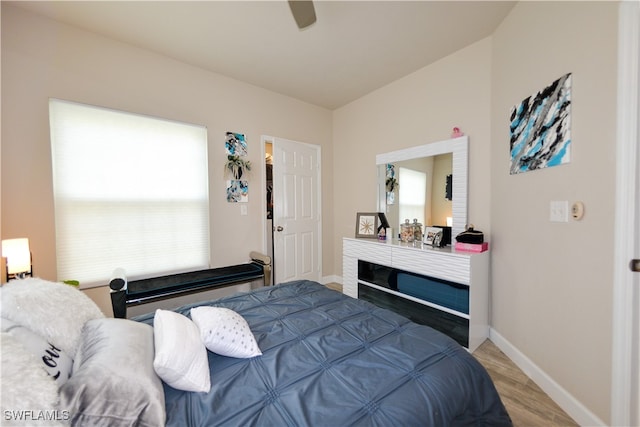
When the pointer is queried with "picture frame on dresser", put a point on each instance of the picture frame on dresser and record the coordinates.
(367, 224)
(433, 236)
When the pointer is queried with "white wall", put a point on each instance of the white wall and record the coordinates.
(42, 58)
(552, 282)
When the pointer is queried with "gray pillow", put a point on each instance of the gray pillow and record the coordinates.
(113, 382)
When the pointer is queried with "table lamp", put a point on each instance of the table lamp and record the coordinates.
(18, 256)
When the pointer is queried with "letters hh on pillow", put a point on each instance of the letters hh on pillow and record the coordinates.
(225, 332)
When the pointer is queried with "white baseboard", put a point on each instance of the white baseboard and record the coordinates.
(331, 279)
(576, 410)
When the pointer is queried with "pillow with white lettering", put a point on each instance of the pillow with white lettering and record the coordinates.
(225, 332)
(54, 361)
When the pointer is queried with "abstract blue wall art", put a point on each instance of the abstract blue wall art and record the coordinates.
(235, 144)
(540, 128)
(237, 191)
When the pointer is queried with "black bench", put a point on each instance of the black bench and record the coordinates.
(143, 291)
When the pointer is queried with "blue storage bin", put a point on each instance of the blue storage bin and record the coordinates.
(446, 294)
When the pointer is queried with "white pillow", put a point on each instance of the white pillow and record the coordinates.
(225, 332)
(53, 360)
(181, 357)
(55, 311)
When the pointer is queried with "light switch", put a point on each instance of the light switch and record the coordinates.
(559, 211)
(243, 209)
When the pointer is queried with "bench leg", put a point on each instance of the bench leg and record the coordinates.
(119, 304)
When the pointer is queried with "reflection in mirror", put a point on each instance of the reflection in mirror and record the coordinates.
(413, 184)
(423, 193)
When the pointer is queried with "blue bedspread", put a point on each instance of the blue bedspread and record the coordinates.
(331, 360)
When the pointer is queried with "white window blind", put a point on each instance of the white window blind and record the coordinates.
(412, 195)
(130, 191)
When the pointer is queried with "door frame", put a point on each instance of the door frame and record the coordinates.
(625, 345)
(264, 139)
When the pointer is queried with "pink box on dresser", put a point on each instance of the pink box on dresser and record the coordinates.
(471, 247)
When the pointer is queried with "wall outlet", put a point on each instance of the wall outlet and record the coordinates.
(559, 211)
(243, 209)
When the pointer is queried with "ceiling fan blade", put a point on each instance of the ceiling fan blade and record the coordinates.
(303, 12)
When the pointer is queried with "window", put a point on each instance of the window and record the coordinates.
(130, 191)
(412, 195)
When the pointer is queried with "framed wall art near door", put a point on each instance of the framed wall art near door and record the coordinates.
(367, 225)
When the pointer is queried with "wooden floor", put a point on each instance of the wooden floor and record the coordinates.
(526, 403)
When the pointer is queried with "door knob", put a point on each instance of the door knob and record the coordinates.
(634, 265)
(279, 228)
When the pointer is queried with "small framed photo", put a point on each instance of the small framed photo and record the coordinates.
(433, 236)
(367, 225)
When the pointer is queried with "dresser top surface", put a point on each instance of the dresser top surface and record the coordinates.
(421, 247)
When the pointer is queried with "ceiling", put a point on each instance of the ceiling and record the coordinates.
(353, 48)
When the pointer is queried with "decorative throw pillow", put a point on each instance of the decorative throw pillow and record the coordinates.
(27, 390)
(54, 361)
(225, 332)
(181, 357)
(55, 311)
(113, 381)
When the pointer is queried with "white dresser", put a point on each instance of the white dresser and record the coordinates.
(465, 273)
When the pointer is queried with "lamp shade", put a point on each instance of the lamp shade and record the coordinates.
(18, 255)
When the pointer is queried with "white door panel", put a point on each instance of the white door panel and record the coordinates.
(625, 390)
(296, 211)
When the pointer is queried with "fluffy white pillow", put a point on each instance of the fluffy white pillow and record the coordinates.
(53, 360)
(181, 357)
(225, 332)
(26, 386)
(55, 311)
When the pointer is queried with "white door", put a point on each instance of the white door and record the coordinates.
(635, 398)
(625, 390)
(296, 211)
(634, 266)
(634, 256)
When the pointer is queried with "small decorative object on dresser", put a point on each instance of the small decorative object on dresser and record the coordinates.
(472, 247)
(470, 235)
(433, 236)
(471, 240)
(367, 225)
(406, 232)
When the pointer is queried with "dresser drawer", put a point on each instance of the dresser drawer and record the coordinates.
(372, 251)
(447, 266)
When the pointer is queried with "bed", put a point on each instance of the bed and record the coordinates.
(325, 360)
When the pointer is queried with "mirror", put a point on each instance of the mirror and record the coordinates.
(424, 170)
